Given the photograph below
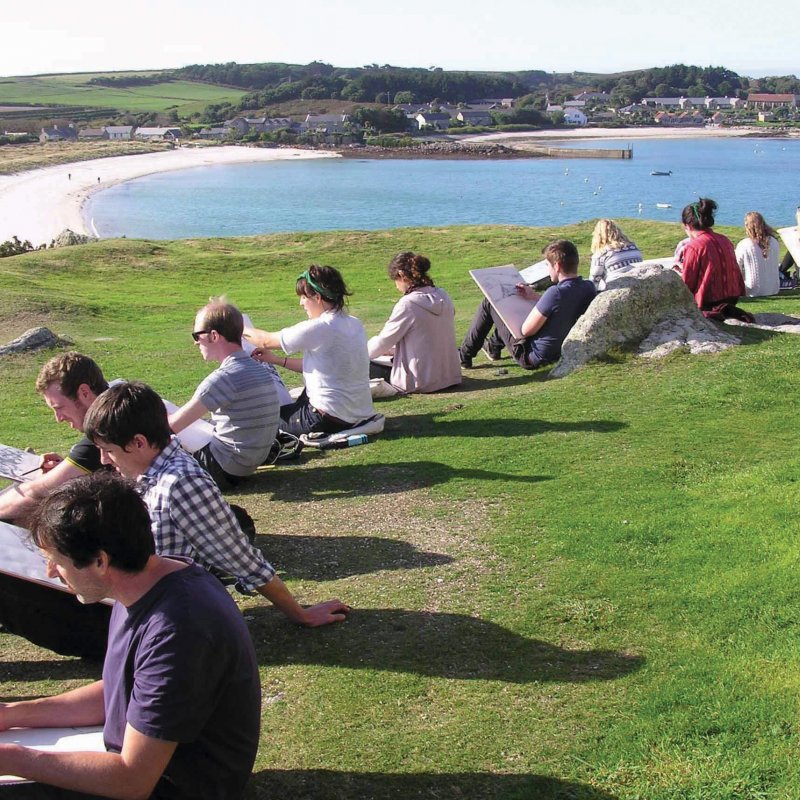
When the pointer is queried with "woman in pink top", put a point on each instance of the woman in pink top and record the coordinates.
(418, 341)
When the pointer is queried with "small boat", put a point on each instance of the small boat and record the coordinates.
(663, 205)
(661, 172)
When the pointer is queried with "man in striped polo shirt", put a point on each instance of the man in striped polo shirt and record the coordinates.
(240, 395)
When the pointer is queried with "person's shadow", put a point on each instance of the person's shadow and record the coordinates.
(325, 479)
(324, 784)
(329, 558)
(432, 644)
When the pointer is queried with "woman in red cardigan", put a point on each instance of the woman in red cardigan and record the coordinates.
(710, 270)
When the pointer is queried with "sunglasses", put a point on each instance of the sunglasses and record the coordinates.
(197, 334)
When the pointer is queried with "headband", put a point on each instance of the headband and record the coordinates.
(316, 287)
(696, 209)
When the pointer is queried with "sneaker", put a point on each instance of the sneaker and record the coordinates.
(492, 353)
(466, 361)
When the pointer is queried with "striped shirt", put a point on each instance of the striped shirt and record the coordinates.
(243, 402)
(612, 262)
(188, 517)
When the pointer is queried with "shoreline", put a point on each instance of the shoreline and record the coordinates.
(38, 204)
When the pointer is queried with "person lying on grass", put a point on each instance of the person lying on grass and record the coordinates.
(68, 384)
(188, 515)
(548, 323)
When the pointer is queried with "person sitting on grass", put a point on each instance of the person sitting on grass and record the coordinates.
(69, 384)
(241, 396)
(419, 335)
(613, 253)
(180, 696)
(334, 360)
(188, 514)
(548, 323)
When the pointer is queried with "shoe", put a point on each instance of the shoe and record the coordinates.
(466, 361)
(492, 353)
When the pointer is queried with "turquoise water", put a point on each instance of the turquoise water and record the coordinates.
(340, 194)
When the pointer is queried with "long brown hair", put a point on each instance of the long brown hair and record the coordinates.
(757, 229)
(413, 267)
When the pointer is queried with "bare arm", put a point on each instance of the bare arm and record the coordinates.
(129, 775)
(535, 320)
(312, 617)
(17, 503)
(266, 356)
(83, 706)
(267, 339)
(186, 415)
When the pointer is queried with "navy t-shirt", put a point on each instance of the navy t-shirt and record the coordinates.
(562, 304)
(180, 667)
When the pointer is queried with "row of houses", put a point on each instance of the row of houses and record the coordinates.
(119, 133)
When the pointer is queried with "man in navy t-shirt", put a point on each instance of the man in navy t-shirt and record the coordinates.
(180, 698)
(548, 323)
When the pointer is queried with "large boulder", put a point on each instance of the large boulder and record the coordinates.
(33, 339)
(649, 307)
(68, 238)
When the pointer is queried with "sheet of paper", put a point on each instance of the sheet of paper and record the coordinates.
(196, 435)
(65, 740)
(536, 272)
(499, 286)
(17, 465)
(791, 238)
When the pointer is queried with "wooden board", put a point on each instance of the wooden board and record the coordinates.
(499, 286)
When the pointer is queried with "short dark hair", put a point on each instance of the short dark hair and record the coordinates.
(411, 266)
(564, 253)
(225, 319)
(70, 371)
(330, 282)
(124, 410)
(699, 216)
(99, 512)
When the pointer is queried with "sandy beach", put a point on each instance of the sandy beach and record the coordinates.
(38, 205)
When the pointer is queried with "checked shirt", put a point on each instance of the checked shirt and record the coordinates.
(189, 518)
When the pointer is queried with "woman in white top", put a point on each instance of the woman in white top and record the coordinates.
(334, 361)
(757, 256)
(418, 341)
(613, 253)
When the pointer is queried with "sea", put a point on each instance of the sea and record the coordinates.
(741, 174)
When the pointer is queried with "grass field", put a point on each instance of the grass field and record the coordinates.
(185, 97)
(577, 588)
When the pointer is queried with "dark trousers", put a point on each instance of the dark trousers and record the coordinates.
(379, 370)
(480, 331)
(301, 417)
(224, 480)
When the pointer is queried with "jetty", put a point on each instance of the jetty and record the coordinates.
(574, 152)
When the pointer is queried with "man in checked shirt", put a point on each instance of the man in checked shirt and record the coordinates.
(129, 426)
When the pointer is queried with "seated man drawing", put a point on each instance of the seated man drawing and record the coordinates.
(68, 383)
(548, 323)
(188, 514)
(179, 699)
(240, 395)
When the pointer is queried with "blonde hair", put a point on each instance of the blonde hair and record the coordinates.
(756, 228)
(608, 234)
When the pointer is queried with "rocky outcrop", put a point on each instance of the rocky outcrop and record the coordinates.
(33, 339)
(649, 307)
(68, 238)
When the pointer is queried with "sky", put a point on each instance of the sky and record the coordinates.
(555, 36)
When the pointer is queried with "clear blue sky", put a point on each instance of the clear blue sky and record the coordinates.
(56, 36)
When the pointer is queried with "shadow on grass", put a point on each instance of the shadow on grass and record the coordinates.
(427, 425)
(323, 784)
(328, 558)
(437, 645)
(327, 479)
(49, 669)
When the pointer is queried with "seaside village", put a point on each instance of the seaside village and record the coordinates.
(587, 109)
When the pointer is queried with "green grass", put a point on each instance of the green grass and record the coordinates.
(185, 97)
(575, 588)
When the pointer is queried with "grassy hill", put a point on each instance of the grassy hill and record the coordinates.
(578, 588)
(75, 90)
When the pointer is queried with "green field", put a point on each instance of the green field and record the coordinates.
(186, 97)
(578, 588)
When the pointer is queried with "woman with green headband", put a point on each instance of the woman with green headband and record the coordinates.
(710, 269)
(334, 359)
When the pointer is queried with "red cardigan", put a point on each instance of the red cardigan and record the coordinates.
(710, 269)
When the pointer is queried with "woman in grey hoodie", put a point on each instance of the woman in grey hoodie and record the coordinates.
(417, 346)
